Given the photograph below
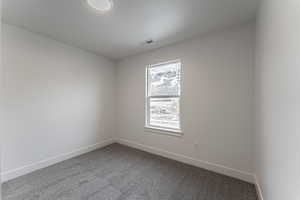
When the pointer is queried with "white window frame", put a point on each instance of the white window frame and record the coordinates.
(161, 129)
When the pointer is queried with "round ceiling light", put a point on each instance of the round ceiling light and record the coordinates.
(101, 5)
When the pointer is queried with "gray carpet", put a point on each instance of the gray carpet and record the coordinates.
(117, 172)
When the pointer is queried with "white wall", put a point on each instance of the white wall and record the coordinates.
(58, 99)
(217, 101)
(0, 96)
(278, 99)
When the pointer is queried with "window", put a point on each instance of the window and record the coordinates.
(163, 96)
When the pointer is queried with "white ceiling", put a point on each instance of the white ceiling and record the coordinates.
(122, 31)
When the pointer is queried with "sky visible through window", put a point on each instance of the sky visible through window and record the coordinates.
(164, 93)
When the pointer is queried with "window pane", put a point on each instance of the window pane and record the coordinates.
(164, 80)
(164, 112)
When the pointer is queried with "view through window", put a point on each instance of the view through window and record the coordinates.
(163, 96)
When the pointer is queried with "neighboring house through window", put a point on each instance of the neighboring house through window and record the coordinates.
(163, 90)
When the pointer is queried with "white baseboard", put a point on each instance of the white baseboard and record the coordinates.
(245, 176)
(8, 175)
(258, 189)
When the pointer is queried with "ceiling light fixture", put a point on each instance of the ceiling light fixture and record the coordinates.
(101, 5)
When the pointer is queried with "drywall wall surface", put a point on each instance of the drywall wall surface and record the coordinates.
(59, 101)
(278, 100)
(1, 119)
(217, 99)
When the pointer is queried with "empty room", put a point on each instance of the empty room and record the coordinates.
(150, 100)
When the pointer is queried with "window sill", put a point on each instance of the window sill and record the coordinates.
(171, 132)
